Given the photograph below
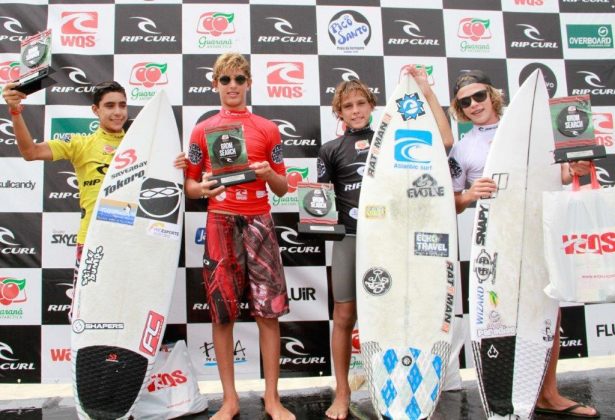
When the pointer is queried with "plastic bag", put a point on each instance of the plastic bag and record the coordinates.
(173, 389)
(579, 243)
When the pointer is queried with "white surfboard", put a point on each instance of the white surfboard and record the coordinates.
(406, 250)
(128, 267)
(512, 321)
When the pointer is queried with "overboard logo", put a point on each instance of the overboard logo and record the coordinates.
(377, 281)
(413, 149)
(160, 200)
(589, 36)
(410, 107)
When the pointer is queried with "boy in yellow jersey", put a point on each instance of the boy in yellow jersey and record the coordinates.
(90, 154)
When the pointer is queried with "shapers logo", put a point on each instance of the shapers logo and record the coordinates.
(78, 29)
(285, 79)
(349, 31)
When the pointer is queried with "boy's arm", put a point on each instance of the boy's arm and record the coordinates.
(277, 183)
(28, 149)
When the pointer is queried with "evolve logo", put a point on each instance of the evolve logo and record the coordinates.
(349, 31)
(413, 149)
(425, 186)
(590, 36)
(9, 71)
(474, 30)
(589, 243)
(527, 35)
(603, 128)
(148, 74)
(285, 79)
(78, 29)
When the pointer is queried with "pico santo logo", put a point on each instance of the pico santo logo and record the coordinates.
(475, 30)
(9, 70)
(590, 36)
(12, 290)
(285, 79)
(149, 74)
(349, 31)
(78, 29)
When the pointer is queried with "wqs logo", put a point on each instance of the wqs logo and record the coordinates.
(413, 149)
(410, 106)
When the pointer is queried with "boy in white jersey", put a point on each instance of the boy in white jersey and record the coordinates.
(478, 102)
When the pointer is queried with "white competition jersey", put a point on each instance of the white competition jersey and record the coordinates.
(468, 156)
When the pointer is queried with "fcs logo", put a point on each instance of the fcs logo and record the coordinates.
(76, 75)
(282, 25)
(409, 27)
(591, 79)
(474, 29)
(5, 350)
(216, 23)
(149, 74)
(145, 24)
(79, 23)
(12, 25)
(294, 346)
(347, 74)
(9, 70)
(531, 32)
(286, 128)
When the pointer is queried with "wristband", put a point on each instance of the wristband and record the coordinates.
(16, 111)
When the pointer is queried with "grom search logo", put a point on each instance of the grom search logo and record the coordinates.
(349, 31)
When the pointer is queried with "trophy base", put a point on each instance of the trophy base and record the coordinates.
(322, 231)
(571, 154)
(33, 82)
(233, 178)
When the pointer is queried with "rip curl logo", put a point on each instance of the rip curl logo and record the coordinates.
(410, 106)
(195, 154)
(277, 154)
(377, 281)
(92, 262)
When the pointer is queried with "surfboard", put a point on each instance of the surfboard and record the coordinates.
(128, 267)
(512, 321)
(406, 250)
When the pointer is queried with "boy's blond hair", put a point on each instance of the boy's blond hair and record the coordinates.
(345, 88)
(231, 62)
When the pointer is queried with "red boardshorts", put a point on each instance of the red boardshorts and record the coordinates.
(242, 251)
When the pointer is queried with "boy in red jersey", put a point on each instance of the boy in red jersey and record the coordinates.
(241, 249)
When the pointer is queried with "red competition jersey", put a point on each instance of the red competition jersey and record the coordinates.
(263, 143)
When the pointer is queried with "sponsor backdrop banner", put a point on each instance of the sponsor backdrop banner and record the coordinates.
(298, 53)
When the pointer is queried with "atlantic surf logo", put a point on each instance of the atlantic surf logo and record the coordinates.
(160, 200)
(377, 281)
(413, 149)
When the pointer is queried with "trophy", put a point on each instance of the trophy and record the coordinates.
(35, 65)
(317, 212)
(573, 130)
(228, 155)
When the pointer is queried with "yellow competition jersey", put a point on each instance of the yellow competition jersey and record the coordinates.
(91, 156)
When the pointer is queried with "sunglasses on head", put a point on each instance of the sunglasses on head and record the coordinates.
(466, 101)
(225, 80)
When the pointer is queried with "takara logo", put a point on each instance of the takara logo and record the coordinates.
(78, 29)
(425, 186)
(9, 247)
(377, 281)
(285, 79)
(289, 236)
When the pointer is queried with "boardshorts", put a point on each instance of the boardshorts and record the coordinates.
(343, 273)
(242, 252)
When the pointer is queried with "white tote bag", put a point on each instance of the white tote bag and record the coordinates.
(173, 389)
(579, 242)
